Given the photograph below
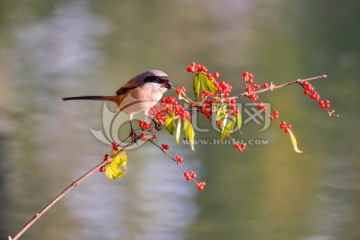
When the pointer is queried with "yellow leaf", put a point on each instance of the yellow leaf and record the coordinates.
(294, 142)
(117, 167)
(170, 124)
(189, 133)
(178, 129)
(113, 171)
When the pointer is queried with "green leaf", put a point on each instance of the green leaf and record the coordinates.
(196, 85)
(178, 129)
(117, 167)
(203, 81)
(239, 121)
(228, 129)
(211, 85)
(189, 133)
(294, 142)
(170, 123)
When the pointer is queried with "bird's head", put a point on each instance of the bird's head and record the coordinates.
(158, 77)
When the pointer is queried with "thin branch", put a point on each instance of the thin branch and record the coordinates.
(273, 87)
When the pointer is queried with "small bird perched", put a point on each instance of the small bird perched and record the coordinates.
(139, 94)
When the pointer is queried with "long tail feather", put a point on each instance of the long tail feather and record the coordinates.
(87, 98)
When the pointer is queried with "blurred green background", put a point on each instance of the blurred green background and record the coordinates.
(53, 49)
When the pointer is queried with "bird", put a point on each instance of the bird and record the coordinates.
(139, 94)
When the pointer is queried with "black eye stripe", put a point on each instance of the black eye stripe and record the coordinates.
(156, 79)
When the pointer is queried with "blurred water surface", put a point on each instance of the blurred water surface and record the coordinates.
(54, 49)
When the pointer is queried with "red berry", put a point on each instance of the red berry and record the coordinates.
(144, 137)
(313, 95)
(102, 169)
(216, 75)
(236, 145)
(282, 124)
(310, 87)
(306, 92)
(192, 174)
(266, 85)
(243, 146)
(191, 69)
(287, 130)
(261, 106)
(200, 187)
(154, 136)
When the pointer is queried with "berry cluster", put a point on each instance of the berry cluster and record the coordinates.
(222, 87)
(144, 125)
(200, 186)
(161, 111)
(240, 147)
(261, 106)
(248, 78)
(165, 146)
(275, 115)
(310, 91)
(180, 90)
(285, 126)
(179, 159)
(233, 109)
(189, 175)
(222, 93)
(115, 147)
(193, 67)
(103, 168)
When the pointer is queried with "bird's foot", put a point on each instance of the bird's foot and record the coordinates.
(158, 126)
(134, 137)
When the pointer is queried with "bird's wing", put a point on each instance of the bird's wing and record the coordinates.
(125, 89)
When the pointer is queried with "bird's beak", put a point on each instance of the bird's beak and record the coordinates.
(168, 85)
